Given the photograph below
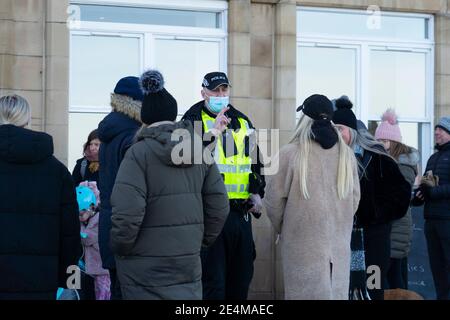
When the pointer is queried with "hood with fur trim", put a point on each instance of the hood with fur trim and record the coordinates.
(126, 105)
(410, 159)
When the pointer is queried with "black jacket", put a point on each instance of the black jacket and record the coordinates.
(438, 204)
(40, 234)
(88, 174)
(385, 194)
(194, 114)
(116, 133)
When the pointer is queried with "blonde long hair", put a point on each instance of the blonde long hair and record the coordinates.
(302, 137)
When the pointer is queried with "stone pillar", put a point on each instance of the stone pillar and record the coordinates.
(239, 16)
(250, 68)
(34, 63)
(285, 68)
(260, 111)
(262, 69)
(285, 92)
(57, 76)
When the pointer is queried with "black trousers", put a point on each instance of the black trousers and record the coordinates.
(398, 274)
(116, 294)
(228, 264)
(437, 233)
(377, 246)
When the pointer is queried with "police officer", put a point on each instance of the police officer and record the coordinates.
(229, 134)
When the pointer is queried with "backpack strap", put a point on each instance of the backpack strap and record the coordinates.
(83, 167)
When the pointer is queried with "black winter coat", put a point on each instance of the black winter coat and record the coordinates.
(438, 205)
(116, 133)
(40, 234)
(385, 194)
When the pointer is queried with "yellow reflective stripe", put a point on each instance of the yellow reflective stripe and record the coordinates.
(235, 187)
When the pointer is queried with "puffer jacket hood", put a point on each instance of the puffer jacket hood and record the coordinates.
(23, 146)
(163, 139)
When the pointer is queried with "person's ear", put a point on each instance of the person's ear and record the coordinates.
(203, 93)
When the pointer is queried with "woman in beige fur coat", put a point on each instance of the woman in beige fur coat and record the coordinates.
(311, 201)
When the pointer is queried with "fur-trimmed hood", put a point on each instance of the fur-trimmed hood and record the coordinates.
(410, 159)
(127, 106)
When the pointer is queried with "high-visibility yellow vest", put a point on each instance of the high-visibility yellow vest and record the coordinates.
(236, 169)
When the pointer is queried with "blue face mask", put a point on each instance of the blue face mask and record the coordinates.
(217, 104)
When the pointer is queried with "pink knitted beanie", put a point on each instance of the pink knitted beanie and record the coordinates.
(389, 128)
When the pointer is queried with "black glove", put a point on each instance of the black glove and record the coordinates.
(415, 201)
(426, 191)
(256, 183)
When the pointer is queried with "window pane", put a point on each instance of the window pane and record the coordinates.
(183, 64)
(410, 134)
(361, 24)
(327, 71)
(398, 80)
(80, 125)
(97, 63)
(122, 14)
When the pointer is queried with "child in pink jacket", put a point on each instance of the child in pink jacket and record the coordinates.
(88, 201)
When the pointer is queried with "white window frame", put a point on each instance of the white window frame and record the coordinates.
(196, 5)
(96, 108)
(148, 33)
(365, 44)
(336, 44)
(378, 39)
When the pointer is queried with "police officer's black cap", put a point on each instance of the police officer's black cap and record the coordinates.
(215, 79)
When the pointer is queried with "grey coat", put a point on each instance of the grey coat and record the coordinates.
(162, 215)
(401, 233)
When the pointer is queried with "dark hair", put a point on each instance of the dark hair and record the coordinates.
(92, 136)
(397, 148)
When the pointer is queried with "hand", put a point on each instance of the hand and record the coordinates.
(222, 121)
(420, 196)
(256, 200)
